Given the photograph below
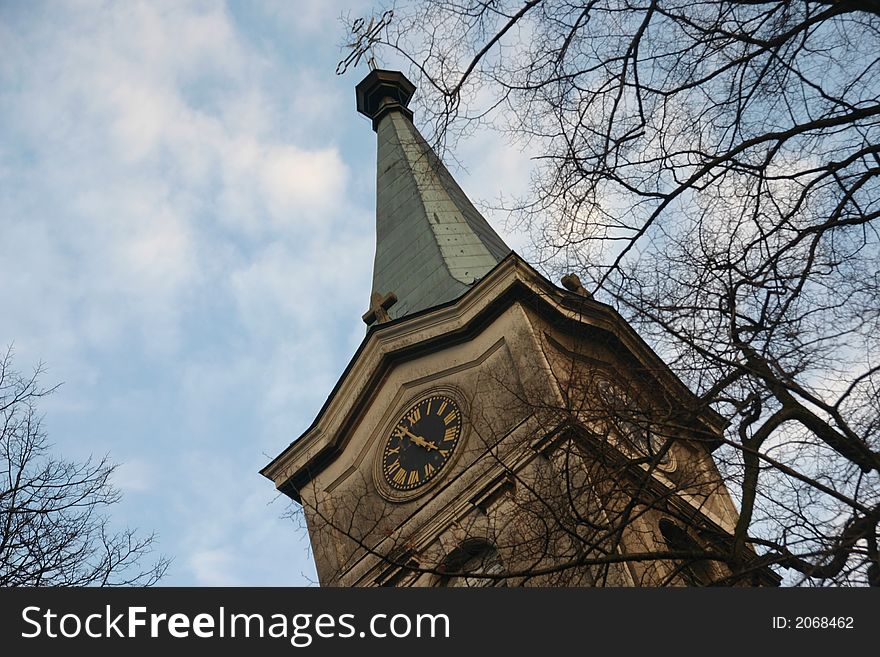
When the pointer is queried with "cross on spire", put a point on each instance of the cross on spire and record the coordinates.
(379, 306)
(365, 36)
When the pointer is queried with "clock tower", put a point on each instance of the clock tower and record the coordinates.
(493, 428)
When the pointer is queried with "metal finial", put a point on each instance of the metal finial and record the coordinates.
(366, 34)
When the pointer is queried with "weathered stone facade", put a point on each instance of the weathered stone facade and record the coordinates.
(581, 455)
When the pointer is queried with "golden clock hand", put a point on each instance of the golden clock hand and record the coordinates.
(421, 442)
(418, 440)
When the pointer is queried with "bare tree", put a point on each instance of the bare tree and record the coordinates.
(53, 526)
(713, 170)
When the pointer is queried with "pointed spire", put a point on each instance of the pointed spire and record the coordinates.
(431, 243)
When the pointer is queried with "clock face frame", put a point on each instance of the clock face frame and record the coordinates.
(628, 422)
(420, 444)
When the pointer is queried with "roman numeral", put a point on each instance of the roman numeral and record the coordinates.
(393, 450)
(428, 410)
(450, 434)
(389, 469)
(442, 408)
(413, 478)
(443, 452)
(428, 470)
(449, 419)
(400, 477)
(414, 415)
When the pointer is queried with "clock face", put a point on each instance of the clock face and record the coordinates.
(421, 442)
(629, 421)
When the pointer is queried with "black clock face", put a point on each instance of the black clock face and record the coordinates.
(628, 421)
(421, 442)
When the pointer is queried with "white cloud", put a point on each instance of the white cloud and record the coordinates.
(283, 296)
(139, 159)
(213, 568)
(292, 178)
(315, 17)
(273, 188)
(135, 475)
(179, 243)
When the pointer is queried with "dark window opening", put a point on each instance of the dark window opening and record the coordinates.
(693, 570)
(475, 563)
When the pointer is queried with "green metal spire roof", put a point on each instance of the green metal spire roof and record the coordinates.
(431, 243)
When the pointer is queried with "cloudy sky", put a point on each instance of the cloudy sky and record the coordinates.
(186, 240)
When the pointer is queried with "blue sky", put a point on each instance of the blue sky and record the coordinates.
(186, 241)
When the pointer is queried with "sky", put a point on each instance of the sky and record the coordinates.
(187, 229)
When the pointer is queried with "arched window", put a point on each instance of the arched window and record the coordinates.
(475, 563)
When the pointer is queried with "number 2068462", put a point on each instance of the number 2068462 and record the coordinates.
(813, 623)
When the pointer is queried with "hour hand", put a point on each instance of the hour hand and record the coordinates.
(418, 440)
(421, 442)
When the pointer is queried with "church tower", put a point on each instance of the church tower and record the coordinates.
(493, 428)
